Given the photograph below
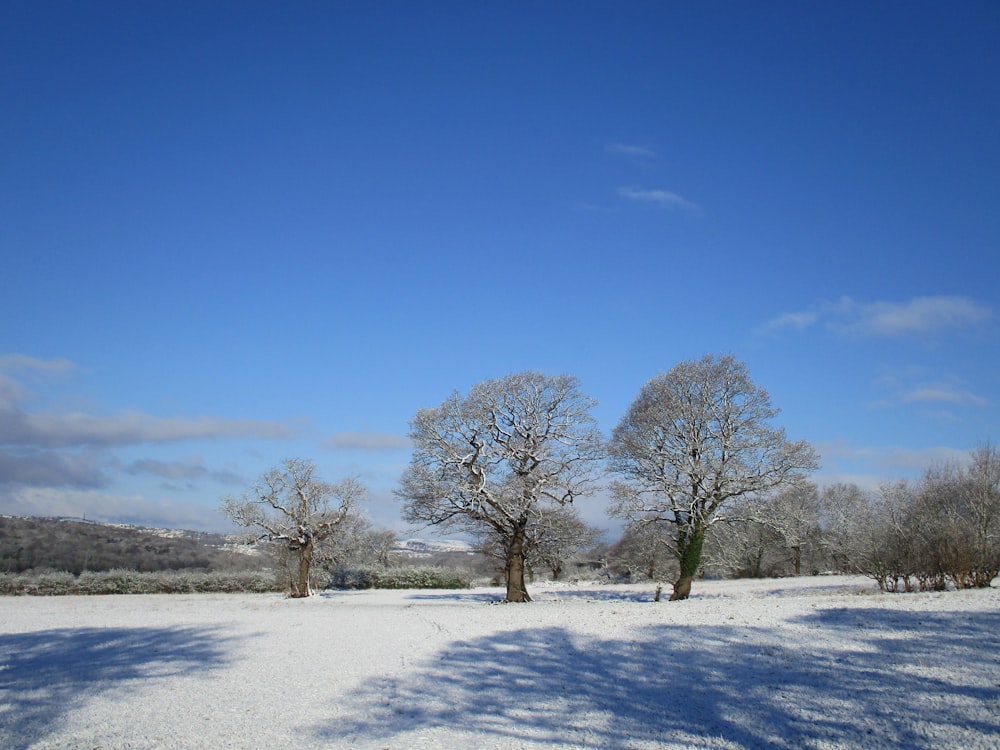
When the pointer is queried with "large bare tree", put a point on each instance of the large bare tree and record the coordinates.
(291, 506)
(696, 438)
(498, 457)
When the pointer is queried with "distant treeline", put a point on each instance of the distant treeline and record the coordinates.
(81, 546)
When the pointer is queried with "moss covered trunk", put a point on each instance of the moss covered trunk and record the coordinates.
(689, 544)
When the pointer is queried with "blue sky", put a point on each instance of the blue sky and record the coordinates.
(238, 232)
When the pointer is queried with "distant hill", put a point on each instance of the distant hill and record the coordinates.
(76, 545)
(428, 547)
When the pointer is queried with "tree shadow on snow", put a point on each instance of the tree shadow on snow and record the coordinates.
(446, 595)
(44, 674)
(679, 686)
(594, 594)
(589, 594)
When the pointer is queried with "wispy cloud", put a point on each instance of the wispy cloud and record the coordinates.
(57, 429)
(943, 394)
(97, 505)
(52, 469)
(73, 450)
(189, 470)
(11, 390)
(935, 395)
(54, 429)
(366, 441)
(869, 466)
(662, 198)
(919, 316)
(630, 151)
(797, 321)
(24, 362)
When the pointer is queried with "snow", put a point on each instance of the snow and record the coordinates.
(821, 662)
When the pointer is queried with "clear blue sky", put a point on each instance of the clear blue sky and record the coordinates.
(233, 233)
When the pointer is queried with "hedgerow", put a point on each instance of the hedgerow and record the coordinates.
(399, 578)
(57, 583)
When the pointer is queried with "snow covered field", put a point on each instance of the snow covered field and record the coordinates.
(794, 663)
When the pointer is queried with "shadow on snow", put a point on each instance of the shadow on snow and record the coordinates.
(893, 679)
(609, 594)
(44, 674)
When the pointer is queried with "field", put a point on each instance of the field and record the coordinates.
(821, 662)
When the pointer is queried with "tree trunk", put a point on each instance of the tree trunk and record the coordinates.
(689, 544)
(516, 590)
(300, 587)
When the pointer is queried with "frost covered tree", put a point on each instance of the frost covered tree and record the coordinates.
(500, 457)
(696, 439)
(846, 524)
(291, 506)
(774, 535)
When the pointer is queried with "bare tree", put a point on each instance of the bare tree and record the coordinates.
(500, 456)
(291, 506)
(697, 438)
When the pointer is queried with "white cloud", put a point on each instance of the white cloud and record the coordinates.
(662, 198)
(366, 441)
(920, 316)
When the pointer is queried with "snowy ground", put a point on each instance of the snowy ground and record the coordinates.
(794, 663)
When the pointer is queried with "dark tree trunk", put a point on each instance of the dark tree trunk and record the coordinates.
(516, 590)
(300, 584)
(689, 544)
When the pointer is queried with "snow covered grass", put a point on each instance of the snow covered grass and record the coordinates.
(793, 663)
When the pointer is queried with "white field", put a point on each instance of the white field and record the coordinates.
(793, 663)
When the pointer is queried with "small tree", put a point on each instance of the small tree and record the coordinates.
(551, 538)
(496, 459)
(964, 503)
(644, 548)
(291, 506)
(743, 547)
(793, 512)
(696, 438)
